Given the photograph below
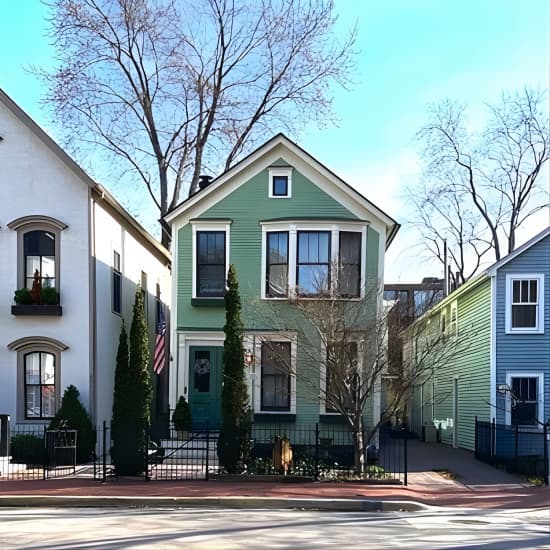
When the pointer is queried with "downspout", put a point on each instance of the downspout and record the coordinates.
(92, 310)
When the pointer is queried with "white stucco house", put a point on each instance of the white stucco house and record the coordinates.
(60, 228)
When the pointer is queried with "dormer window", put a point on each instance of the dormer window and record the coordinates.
(280, 183)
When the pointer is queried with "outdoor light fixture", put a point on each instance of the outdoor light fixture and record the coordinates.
(248, 357)
(504, 389)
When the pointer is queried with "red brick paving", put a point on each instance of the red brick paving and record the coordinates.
(446, 494)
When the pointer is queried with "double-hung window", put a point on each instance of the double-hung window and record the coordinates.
(39, 381)
(277, 264)
(211, 261)
(276, 377)
(524, 398)
(313, 263)
(524, 402)
(525, 307)
(349, 279)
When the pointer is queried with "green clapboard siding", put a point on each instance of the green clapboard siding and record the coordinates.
(471, 365)
(246, 207)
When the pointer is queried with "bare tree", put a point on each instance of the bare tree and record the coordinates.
(481, 187)
(344, 360)
(175, 87)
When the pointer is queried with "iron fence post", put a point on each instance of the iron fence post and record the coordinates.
(104, 451)
(45, 459)
(207, 466)
(316, 460)
(493, 441)
(147, 478)
(516, 448)
(405, 461)
(476, 442)
(545, 454)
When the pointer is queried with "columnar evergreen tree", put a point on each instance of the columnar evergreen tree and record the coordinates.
(72, 415)
(132, 396)
(232, 444)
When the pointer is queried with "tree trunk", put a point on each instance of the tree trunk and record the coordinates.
(359, 450)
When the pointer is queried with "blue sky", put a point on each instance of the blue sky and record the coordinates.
(411, 53)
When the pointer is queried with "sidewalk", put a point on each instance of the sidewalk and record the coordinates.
(427, 488)
(472, 484)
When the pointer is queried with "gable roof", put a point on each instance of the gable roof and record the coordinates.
(281, 140)
(99, 192)
(486, 273)
(514, 254)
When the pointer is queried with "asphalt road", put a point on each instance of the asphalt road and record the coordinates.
(64, 528)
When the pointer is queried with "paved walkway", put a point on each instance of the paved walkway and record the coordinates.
(476, 485)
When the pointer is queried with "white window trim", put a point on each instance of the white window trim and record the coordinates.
(208, 226)
(257, 381)
(508, 303)
(453, 325)
(287, 171)
(540, 394)
(292, 229)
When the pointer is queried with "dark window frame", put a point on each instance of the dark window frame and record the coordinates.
(288, 375)
(268, 264)
(40, 385)
(524, 401)
(274, 179)
(29, 278)
(328, 263)
(198, 264)
(116, 302)
(357, 294)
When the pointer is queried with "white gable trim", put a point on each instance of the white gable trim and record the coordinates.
(493, 269)
(263, 158)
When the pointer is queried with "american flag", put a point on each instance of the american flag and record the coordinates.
(159, 357)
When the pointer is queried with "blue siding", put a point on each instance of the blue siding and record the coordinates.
(524, 352)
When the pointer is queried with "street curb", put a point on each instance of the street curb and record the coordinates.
(335, 505)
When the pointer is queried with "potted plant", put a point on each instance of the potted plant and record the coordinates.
(182, 418)
(39, 300)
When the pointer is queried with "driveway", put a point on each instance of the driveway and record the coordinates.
(425, 460)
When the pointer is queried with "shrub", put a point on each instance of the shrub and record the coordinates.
(72, 415)
(23, 296)
(182, 415)
(49, 296)
(233, 442)
(132, 396)
(27, 449)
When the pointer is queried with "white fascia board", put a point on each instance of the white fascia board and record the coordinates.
(262, 159)
(538, 237)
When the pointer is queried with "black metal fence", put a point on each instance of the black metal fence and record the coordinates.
(518, 449)
(34, 452)
(316, 452)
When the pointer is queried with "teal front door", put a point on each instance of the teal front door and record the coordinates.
(205, 386)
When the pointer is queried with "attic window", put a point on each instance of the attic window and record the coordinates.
(280, 183)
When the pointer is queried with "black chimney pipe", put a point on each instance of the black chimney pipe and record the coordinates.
(204, 181)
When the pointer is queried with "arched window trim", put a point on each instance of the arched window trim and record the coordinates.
(26, 224)
(31, 344)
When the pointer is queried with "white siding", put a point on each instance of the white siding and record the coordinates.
(33, 180)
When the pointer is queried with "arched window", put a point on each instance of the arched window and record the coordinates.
(38, 249)
(40, 383)
(39, 257)
(38, 376)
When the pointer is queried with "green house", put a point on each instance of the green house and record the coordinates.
(283, 220)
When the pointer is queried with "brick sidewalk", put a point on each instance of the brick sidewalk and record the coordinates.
(426, 490)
